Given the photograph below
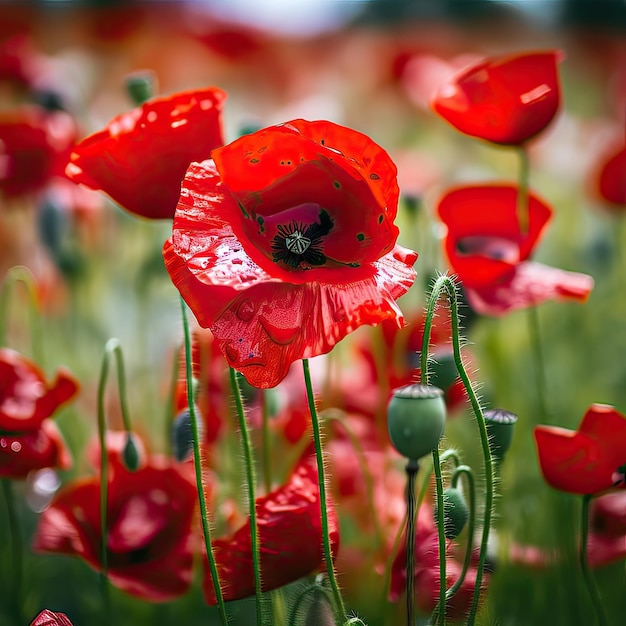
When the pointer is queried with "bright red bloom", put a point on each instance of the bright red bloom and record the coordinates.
(489, 252)
(283, 244)
(589, 460)
(506, 100)
(50, 618)
(141, 157)
(611, 182)
(150, 515)
(35, 145)
(28, 439)
(290, 537)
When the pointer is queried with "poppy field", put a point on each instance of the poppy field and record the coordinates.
(312, 328)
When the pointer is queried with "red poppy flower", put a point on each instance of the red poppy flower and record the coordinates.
(35, 145)
(589, 460)
(150, 514)
(28, 439)
(141, 157)
(611, 182)
(50, 618)
(283, 244)
(290, 537)
(506, 100)
(489, 252)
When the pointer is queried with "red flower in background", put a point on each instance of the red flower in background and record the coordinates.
(589, 460)
(150, 514)
(35, 146)
(28, 439)
(611, 180)
(506, 100)
(50, 618)
(489, 252)
(141, 157)
(290, 537)
(283, 244)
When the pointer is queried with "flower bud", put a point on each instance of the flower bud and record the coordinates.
(455, 512)
(140, 86)
(182, 434)
(130, 454)
(443, 371)
(500, 430)
(416, 417)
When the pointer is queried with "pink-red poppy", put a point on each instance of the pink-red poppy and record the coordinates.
(290, 537)
(35, 146)
(284, 243)
(29, 440)
(489, 252)
(50, 618)
(587, 461)
(141, 157)
(506, 99)
(150, 514)
(611, 180)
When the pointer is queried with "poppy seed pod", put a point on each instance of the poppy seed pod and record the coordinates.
(455, 512)
(500, 425)
(416, 417)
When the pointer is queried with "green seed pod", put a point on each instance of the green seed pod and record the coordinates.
(416, 417)
(455, 512)
(443, 371)
(500, 425)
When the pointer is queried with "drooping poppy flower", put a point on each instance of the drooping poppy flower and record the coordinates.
(28, 439)
(283, 243)
(587, 461)
(506, 100)
(290, 538)
(488, 251)
(50, 618)
(141, 157)
(35, 145)
(150, 514)
(611, 180)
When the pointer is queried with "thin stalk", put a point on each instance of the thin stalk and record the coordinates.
(443, 581)
(411, 470)
(538, 365)
(445, 284)
(16, 541)
(321, 479)
(522, 194)
(246, 448)
(197, 458)
(594, 593)
(391, 559)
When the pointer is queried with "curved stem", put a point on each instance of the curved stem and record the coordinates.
(443, 581)
(584, 564)
(246, 448)
(321, 479)
(16, 541)
(22, 274)
(197, 458)
(522, 194)
(411, 469)
(445, 284)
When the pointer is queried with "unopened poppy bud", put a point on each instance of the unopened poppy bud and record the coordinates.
(140, 86)
(455, 512)
(130, 454)
(500, 425)
(416, 417)
(182, 434)
(443, 371)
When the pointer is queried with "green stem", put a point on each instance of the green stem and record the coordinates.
(246, 448)
(16, 541)
(22, 274)
(522, 195)
(321, 479)
(539, 365)
(584, 564)
(265, 434)
(197, 458)
(443, 581)
(445, 284)
(411, 470)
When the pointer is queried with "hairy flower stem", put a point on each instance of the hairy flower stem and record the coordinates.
(246, 448)
(411, 470)
(197, 459)
(340, 610)
(16, 541)
(21, 274)
(596, 600)
(447, 285)
(443, 579)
